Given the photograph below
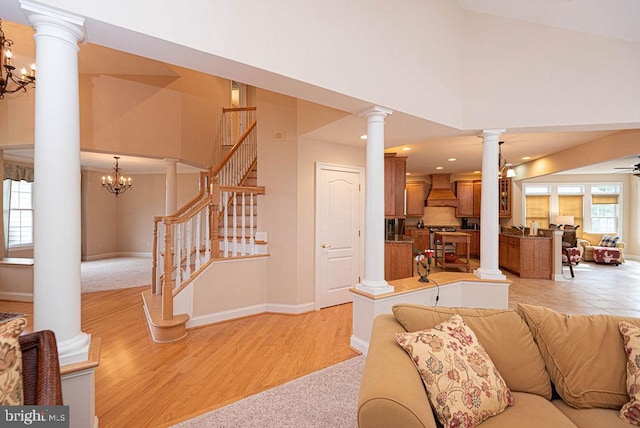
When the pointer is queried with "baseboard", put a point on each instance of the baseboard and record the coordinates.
(359, 345)
(16, 296)
(115, 254)
(632, 257)
(291, 309)
(216, 317)
(198, 321)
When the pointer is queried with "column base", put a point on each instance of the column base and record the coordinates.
(489, 274)
(74, 350)
(375, 287)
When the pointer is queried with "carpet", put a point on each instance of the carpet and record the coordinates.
(326, 398)
(115, 273)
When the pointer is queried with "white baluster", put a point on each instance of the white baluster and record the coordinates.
(244, 227)
(198, 235)
(188, 246)
(252, 241)
(207, 240)
(178, 259)
(235, 226)
(225, 221)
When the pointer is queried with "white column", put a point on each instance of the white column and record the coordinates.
(171, 187)
(489, 220)
(374, 282)
(57, 232)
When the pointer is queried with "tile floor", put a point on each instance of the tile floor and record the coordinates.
(596, 289)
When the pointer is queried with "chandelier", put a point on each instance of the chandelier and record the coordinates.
(504, 165)
(9, 81)
(118, 183)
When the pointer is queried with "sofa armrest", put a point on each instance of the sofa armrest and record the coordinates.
(620, 245)
(42, 384)
(392, 392)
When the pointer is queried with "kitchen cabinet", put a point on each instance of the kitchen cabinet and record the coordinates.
(504, 198)
(395, 168)
(528, 256)
(415, 198)
(420, 239)
(469, 194)
(398, 260)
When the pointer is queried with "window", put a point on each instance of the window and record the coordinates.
(571, 205)
(604, 213)
(537, 209)
(20, 213)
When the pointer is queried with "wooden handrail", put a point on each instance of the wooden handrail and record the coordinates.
(232, 109)
(183, 218)
(195, 199)
(235, 147)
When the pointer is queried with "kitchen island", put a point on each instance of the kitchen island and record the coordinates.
(526, 256)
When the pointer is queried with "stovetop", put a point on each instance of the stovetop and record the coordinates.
(442, 229)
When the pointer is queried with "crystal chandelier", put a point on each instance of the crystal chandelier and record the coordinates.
(9, 81)
(118, 183)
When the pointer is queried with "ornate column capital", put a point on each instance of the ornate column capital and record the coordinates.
(375, 111)
(492, 132)
(63, 25)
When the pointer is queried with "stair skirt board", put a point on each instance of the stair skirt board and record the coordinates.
(198, 321)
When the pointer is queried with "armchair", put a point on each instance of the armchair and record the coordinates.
(589, 241)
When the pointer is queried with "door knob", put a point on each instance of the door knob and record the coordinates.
(326, 245)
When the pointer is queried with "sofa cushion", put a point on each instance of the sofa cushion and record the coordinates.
(584, 355)
(462, 382)
(608, 241)
(11, 362)
(591, 418)
(631, 339)
(513, 351)
(529, 411)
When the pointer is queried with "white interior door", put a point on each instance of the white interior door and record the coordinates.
(339, 244)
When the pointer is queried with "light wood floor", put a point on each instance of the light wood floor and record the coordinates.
(143, 384)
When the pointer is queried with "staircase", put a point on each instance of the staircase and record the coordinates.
(220, 222)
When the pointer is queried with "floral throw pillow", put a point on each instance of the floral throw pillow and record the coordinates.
(462, 382)
(631, 339)
(11, 362)
(608, 241)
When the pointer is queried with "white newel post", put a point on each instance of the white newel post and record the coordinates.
(56, 223)
(489, 220)
(171, 186)
(374, 282)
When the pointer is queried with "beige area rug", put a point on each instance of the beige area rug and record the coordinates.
(115, 273)
(326, 398)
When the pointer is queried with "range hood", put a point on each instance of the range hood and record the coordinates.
(440, 194)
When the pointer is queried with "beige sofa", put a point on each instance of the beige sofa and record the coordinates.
(563, 371)
(590, 240)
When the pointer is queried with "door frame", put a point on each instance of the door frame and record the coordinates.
(344, 168)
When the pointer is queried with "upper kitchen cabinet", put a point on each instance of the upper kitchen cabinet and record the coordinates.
(395, 168)
(504, 197)
(469, 194)
(415, 199)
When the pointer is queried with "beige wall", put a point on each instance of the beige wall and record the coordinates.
(124, 224)
(278, 209)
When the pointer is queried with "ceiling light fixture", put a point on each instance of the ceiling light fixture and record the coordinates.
(9, 82)
(117, 184)
(503, 165)
(526, 157)
(452, 159)
(406, 149)
(363, 137)
(439, 167)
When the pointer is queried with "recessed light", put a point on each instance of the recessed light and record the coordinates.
(476, 172)
(408, 173)
(451, 159)
(406, 149)
(363, 137)
(526, 157)
(439, 167)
